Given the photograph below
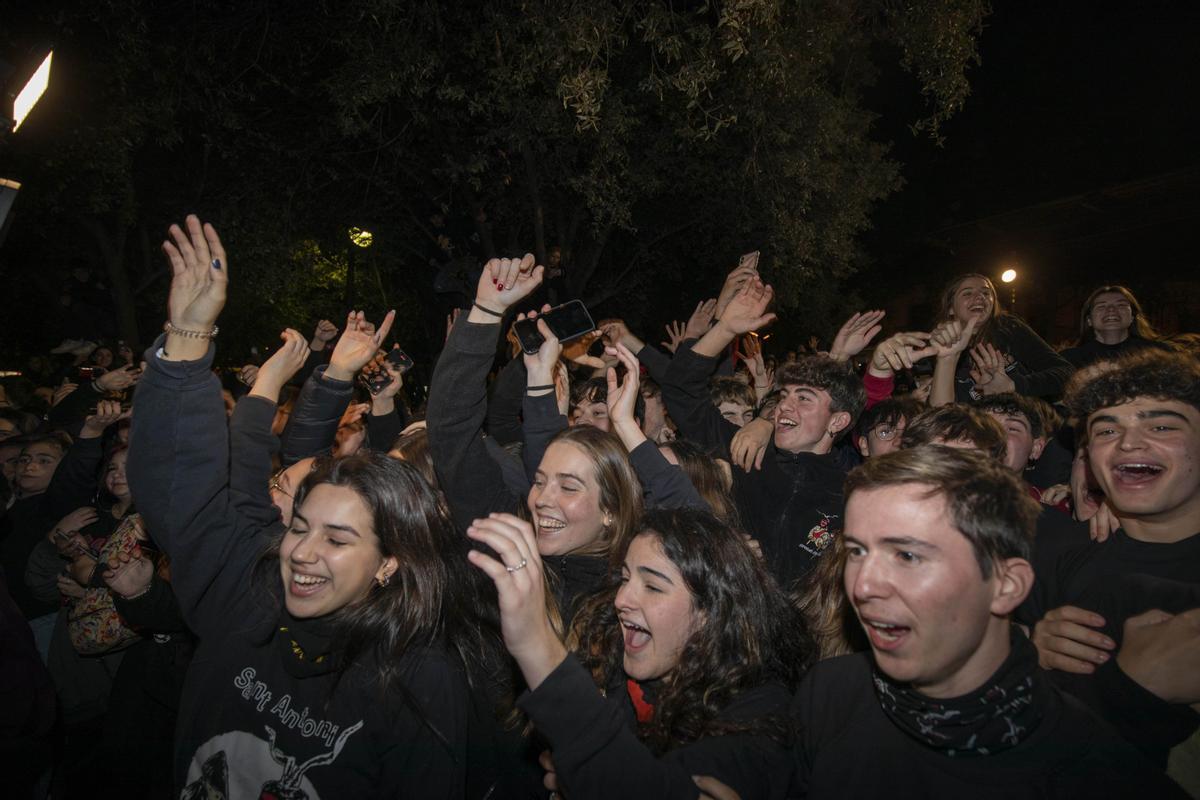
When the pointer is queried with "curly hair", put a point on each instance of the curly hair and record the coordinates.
(751, 635)
(1149, 373)
(845, 389)
(956, 422)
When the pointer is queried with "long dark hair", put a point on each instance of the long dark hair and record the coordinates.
(751, 635)
(985, 332)
(433, 598)
(1140, 327)
(707, 477)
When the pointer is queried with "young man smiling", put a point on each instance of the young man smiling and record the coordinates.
(1117, 621)
(793, 505)
(949, 702)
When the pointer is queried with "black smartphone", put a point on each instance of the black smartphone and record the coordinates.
(378, 380)
(568, 321)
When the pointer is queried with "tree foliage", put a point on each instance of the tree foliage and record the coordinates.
(637, 147)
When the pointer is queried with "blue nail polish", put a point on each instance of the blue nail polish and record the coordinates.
(216, 263)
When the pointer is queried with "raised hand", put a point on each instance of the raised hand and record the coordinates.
(989, 373)
(540, 366)
(615, 332)
(751, 356)
(701, 319)
(622, 398)
(855, 334)
(734, 281)
(576, 351)
(358, 345)
(200, 277)
(281, 366)
(107, 412)
(119, 379)
(248, 374)
(747, 311)
(323, 334)
(503, 283)
(521, 587)
(900, 351)
(676, 335)
(952, 337)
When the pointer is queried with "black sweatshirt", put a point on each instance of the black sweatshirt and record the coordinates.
(849, 748)
(313, 424)
(1121, 578)
(1036, 370)
(247, 725)
(1092, 351)
(792, 506)
(597, 753)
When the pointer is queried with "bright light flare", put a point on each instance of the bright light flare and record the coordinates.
(1009, 275)
(32, 92)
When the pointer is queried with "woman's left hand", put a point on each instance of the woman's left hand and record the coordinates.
(517, 573)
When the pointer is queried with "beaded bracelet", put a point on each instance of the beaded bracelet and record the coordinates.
(171, 329)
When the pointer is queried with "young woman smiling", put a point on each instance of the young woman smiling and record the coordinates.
(584, 493)
(981, 350)
(684, 665)
(341, 671)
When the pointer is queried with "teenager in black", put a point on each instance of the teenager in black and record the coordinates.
(1141, 423)
(682, 667)
(329, 661)
(1112, 324)
(793, 505)
(949, 702)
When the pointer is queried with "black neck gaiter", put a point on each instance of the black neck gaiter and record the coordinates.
(1000, 714)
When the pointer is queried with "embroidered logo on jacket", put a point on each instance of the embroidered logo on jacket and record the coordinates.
(821, 534)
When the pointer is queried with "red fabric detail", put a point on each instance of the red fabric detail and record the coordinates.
(644, 711)
(878, 388)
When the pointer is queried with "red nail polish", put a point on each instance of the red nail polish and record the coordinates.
(500, 286)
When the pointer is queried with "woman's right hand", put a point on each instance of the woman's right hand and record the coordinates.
(505, 282)
(952, 337)
(520, 585)
(200, 277)
(540, 366)
(281, 366)
(358, 345)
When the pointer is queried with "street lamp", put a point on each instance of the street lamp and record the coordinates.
(361, 238)
(1009, 276)
(32, 91)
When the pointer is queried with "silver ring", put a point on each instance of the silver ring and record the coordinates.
(518, 566)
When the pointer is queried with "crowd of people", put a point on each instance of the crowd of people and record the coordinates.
(968, 566)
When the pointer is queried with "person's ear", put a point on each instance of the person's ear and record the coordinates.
(386, 570)
(838, 422)
(1039, 447)
(861, 441)
(1013, 581)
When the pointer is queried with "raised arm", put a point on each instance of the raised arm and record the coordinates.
(542, 418)
(471, 480)
(179, 450)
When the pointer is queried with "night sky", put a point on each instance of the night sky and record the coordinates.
(1075, 158)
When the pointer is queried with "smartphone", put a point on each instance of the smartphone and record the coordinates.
(749, 260)
(377, 381)
(568, 321)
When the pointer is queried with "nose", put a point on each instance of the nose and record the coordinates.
(866, 579)
(305, 552)
(1131, 439)
(546, 497)
(625, 597)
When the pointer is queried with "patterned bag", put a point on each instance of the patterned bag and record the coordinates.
(93, 623)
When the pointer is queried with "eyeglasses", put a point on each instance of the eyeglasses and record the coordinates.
(885, 433)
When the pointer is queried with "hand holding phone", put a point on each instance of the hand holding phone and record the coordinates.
(568, 321)
(749, 260)
(376, 376)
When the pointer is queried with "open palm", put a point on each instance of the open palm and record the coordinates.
(199, 275)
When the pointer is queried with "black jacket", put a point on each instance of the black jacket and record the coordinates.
(849, 748)
(1036, 370)
(245, 718)
(1090, 352)
(597, 753)
(793, 506)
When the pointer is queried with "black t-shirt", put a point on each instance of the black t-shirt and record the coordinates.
(1118, 579)
(849, 748)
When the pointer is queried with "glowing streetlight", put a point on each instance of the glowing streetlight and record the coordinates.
(1009, 275)
(33, 90)
(361, 238)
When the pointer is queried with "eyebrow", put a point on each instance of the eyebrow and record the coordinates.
(1154, 413)
(656, 574)
(571, 475)
(909, 542)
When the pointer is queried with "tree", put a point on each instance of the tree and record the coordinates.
(635, 147)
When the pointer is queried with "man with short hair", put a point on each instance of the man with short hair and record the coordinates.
(1137, 594)
(949, 702)
(957, 425)
(793, 505)
(734, 398)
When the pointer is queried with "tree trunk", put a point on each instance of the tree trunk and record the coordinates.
(112, 252)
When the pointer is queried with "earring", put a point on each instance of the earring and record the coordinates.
(383, 581)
